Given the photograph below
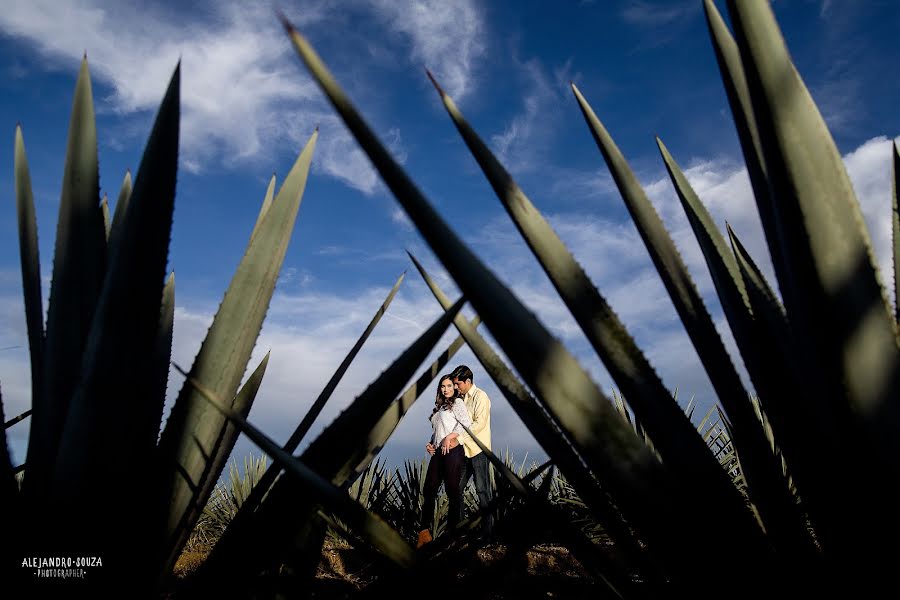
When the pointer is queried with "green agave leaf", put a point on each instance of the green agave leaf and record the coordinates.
(371, 527)
(31, 266)
(264, 209)
(547, 433)
(293, 442)
(280, 529)
(222, 449)
(665, 423)
(833, 278)
(727, 503)
(781, 516)
(193, 426)
(110, 409)
(78, 271)
(732, 71)
(895, 221)
(120, 210)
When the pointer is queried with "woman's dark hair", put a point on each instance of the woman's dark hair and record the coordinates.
(440, 402)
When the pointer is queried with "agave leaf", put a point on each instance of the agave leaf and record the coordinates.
(623, 463)
(283, 520)
(290, 446)
(163, 355)
(317, 406)
(267, 203)
(193, 426)
(9, 491)
(833, 278)
(732, 71)
(223, 447)
(546, 432)
(767, 486)
(896, 232)
(699, 325)
(107, 411)
(120, 210)
(665, 423)
(78, 271)
(371, 527)
(31, 266)
(104, 210)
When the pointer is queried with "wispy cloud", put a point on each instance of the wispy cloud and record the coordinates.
(445, 37)
(651, 14)
(243, 97)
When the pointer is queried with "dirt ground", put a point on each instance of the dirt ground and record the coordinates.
(492, 573)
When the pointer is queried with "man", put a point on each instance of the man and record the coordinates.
(479, 406)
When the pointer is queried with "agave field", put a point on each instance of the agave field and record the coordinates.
(787, 490)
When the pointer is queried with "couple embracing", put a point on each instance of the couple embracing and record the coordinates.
(455, 456)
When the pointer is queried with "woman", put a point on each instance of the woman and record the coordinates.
(448, 458)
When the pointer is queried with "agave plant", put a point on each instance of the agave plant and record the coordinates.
(822, 352)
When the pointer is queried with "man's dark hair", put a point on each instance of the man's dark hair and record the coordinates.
(463, 372)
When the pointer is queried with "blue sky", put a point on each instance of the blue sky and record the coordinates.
(248, 107)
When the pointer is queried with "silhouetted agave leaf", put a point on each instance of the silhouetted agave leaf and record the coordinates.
(106, 411)
(29, 255)
(833, 279)
(317, 406)
(159, 379)
(547, 433)
(895, 219)
(369, 526)
(9, 490)
(613, 579)
(623, 463)
(17, 418)
(120, 210)
(283, 528)
(290, 446)
(732, 72)
(725, 503)
(665, 423)
(78, 270)
(767, 486)
(193, 426)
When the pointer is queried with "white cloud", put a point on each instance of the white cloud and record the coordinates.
(242, 93)
(648, 14)
(445, 37)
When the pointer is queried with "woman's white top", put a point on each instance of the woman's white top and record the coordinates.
(445, 422)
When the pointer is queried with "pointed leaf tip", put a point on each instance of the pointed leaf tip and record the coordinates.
(434, 82)
(288, 27)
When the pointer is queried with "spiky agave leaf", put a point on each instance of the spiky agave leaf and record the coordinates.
(29, 256)
(290, 446)
(193, 427)
(666, 424)
(108, 411)
(78, 271)
(119, 212)
(837, 308)
(104, 211)
(767, 486)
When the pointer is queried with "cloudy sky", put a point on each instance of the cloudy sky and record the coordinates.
(248, 107)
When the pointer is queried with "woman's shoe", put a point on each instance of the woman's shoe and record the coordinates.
(424, 538)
